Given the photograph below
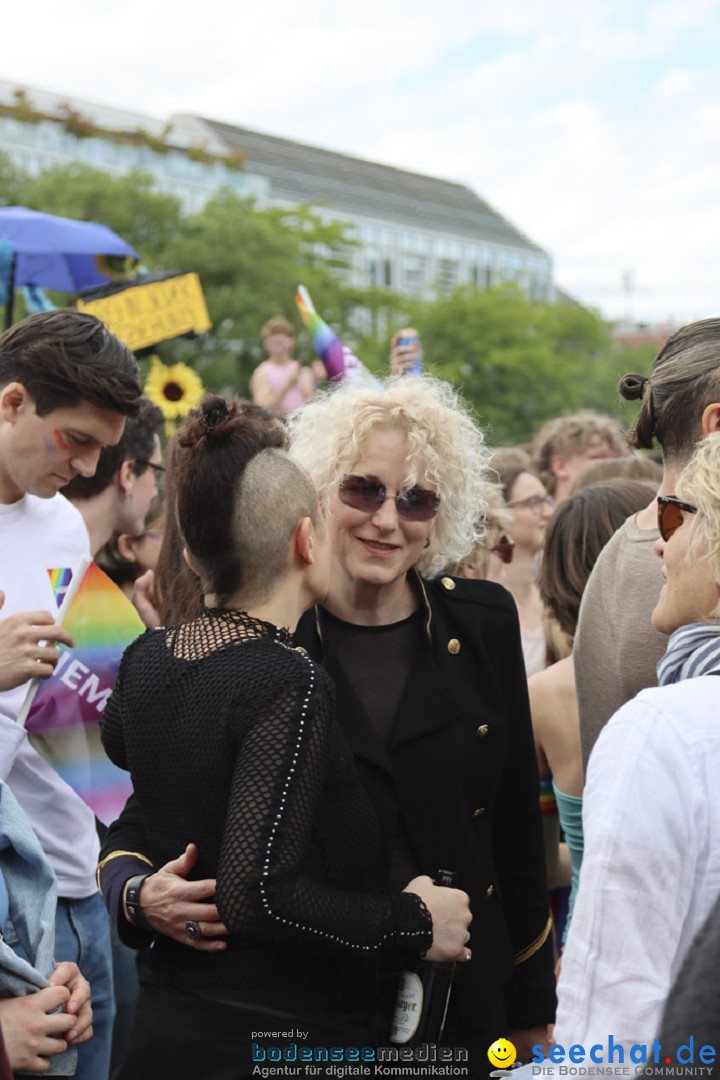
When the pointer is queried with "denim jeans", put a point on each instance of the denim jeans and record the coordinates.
(82, 934)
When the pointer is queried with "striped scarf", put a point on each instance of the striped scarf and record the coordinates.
(692, 650)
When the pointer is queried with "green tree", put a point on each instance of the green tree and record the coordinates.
(250, 262)
(12, 182)
(147, 219)
(520, 361)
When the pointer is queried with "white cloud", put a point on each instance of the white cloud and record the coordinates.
(592, 126)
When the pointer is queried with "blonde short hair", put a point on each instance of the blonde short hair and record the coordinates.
(570, 435)
(699, 483)
(445, 443)
(277, 325)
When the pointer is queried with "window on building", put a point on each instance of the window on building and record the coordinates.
(448, 274)
(414, 271)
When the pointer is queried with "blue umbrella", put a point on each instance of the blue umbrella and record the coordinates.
(55, 252)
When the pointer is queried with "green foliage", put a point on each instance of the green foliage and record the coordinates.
(147, 219)
(250, 262)
(11, 183)
(518, 361)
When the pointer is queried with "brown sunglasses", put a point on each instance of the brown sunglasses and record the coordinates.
(504, 549)
(367, 495)
(670, 514)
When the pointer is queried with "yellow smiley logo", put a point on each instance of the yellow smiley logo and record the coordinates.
(502, 1053)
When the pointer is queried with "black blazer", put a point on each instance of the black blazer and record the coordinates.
(460, 766)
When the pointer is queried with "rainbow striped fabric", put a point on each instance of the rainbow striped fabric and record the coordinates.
(64, 719)
(340, 362)
(548, 805)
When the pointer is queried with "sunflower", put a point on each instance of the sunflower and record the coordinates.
(176, 389)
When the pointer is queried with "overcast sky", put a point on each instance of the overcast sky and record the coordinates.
(594, 126)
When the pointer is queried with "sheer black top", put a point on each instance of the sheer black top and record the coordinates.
(230, 739)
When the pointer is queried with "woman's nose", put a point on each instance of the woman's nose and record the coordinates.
(386, 516)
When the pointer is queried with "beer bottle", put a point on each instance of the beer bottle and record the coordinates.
(423, 994)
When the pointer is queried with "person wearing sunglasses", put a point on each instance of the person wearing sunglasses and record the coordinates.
(651, 807)
(230, 738)
(531, 509)
(680, 403)
(431, 690)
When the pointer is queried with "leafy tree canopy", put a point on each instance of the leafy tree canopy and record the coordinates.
(519, 361)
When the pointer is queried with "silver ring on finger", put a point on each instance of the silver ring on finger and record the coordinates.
(468, 955)
(193, 929)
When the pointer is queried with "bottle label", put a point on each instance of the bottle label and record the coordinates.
(408, 1008)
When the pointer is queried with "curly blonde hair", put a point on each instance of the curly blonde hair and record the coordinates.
(445, 443)
(699, 483)
(497, 519)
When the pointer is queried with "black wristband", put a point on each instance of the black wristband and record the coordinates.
(132, 903)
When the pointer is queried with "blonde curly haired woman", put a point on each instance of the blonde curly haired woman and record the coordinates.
(431, 688)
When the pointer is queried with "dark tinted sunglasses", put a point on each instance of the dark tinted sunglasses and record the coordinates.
(416, 504)
(670, 514)
(505, 549)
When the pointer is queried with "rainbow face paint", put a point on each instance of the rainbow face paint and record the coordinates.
(59, 441)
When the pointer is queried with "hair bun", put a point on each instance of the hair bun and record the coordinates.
(208, 423)
(213, 412)
(632, 387)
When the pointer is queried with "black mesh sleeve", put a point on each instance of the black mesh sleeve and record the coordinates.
(283, 758)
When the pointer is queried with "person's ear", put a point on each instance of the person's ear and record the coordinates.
(126, 478)
(558, 467)
(304, 540)
(12, 399)
(468, 569)
(711, 418)
(125, 545)
(188, 559)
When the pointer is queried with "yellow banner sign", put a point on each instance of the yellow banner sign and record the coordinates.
(145, 314)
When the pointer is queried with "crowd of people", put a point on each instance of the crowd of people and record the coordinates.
(376, 649)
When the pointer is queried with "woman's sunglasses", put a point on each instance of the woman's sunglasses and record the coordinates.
(416, 504)
(504, 549)
(670, 514)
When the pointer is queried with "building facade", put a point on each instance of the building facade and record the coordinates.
(415, 234)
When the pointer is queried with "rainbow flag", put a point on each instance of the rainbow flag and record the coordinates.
(340, 361)
(60, 579)
(64, 719)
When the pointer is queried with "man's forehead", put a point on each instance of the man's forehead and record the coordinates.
(85, 418)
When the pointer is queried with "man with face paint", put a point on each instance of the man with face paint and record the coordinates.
(66, 386)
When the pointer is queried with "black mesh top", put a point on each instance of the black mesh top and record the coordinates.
(378, 660)
(230, 738)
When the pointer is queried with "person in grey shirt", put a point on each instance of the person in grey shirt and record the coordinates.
(616, 649)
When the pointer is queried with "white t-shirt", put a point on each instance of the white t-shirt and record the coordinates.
(37, 535)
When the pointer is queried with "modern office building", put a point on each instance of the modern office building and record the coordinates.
(418, 235)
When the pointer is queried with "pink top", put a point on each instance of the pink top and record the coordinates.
(278, 375)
